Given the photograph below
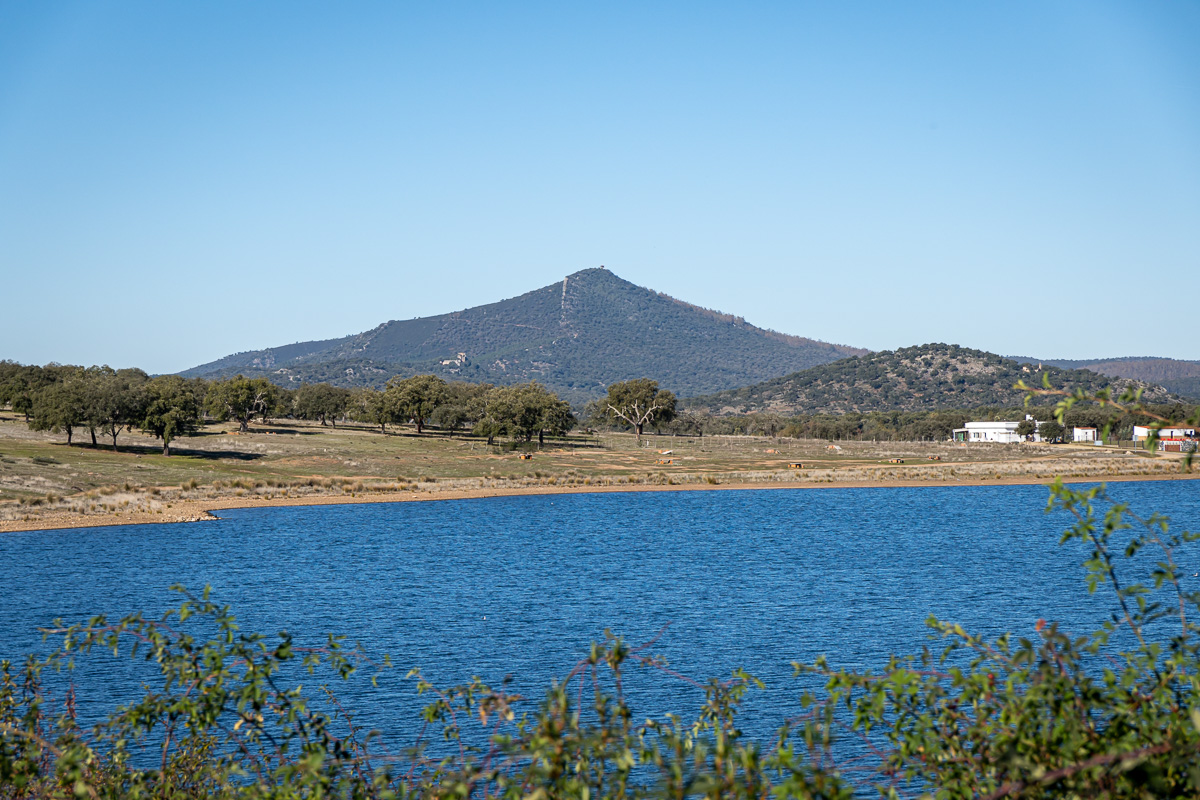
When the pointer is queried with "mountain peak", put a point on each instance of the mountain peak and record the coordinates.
(576, 336)
(599, 275)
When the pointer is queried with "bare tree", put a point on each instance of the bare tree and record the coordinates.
(640, 402)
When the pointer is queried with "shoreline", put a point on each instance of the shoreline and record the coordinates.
(184, 511)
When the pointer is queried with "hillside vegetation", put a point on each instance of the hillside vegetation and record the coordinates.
(575, 337)
(931, 376)
(1180, 377)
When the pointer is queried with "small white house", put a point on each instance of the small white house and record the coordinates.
(1084, 434)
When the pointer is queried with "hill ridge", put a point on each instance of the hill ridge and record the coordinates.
(1178, 375)
(923, 377)
(576, 336)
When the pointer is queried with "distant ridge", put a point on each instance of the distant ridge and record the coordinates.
(929, 376)
(576, 336)
(1181, 377)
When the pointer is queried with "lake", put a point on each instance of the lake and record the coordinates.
(522, 585)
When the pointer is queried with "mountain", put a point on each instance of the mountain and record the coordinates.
(1181, 377)
(930, 376)
(576, 337)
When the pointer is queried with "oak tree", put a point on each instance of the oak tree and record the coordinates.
(116, 399)
(1051, 431)
(240, 399)
(639, 402)
(60, 407)
(170, 410)
(368, 405)
(415, 398)
(321, 401)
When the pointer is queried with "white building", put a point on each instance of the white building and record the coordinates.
(1004, 432)
(1084, 434)
(1142, 432)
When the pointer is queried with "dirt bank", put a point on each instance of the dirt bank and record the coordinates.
(208, 509)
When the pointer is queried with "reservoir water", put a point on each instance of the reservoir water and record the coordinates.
(523, 585)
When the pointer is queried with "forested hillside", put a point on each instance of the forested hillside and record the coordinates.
(1180, 377)
(931, 376)
(575, 337)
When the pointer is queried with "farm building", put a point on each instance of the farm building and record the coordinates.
(1084, 434)
(1172, 440)
(1142, 432)
(1004, 432)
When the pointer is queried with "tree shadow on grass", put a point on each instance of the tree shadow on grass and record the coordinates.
(280, 431)
(434, 434)
(138, 451)
(207, 455)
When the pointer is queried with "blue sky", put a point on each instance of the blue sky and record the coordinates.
(181, 181)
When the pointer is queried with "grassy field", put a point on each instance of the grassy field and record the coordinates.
(42, 480)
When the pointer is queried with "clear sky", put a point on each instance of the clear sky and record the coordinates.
(181, 181)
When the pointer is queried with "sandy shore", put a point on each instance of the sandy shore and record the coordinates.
(208, 509)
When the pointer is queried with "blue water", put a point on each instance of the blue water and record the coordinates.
(522, 585)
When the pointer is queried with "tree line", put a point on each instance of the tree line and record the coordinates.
(101, 400)
(898, 426)
(104, 402)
